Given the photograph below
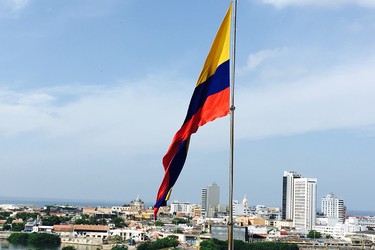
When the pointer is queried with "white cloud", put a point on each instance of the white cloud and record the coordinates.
(16, 4)
(11, 8)
(341, 98)
(119, 116)
(329, 3)
(22, 112)
(144, 115)
(256, 59)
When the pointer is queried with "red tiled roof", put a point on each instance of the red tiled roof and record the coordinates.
(283, 232)
(89, 208)
(63, 228)
(17, 221)
(90, 228)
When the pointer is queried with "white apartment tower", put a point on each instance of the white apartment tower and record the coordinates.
(210, 199)
(333, 207)
(180, 207)
(288, 194)
(304, 208)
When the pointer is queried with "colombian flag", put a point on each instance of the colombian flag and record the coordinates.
(210, 100)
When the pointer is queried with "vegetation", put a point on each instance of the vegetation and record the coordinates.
(119, 248)
(25, 215)
(19, 238)
(215, 244)
(35, 239)
(51, 220)
(90, 221)
(17, 227)
(44, 239)
(180, 221)
(159, 223)
(4, 215)
(68, 248)
(119, 222)
(314, 234)
(170, 241)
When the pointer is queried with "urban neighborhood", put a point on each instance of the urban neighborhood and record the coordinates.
(296, 221)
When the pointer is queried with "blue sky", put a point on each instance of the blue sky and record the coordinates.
(92, 92)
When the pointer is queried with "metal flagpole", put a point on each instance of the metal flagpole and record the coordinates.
(232, 108)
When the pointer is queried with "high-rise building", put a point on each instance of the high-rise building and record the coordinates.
(288, 194)
(204, 200)
(333, 207)
(210, 199)
(304, 212)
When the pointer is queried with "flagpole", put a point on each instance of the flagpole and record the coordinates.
(232, 108)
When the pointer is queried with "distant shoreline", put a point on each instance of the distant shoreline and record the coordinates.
(41, 202)
(360, 213)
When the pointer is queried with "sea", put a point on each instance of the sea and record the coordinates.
(41, 202)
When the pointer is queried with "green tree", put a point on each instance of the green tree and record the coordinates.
(25, 215)
(170, 241)
(68, 248)
(118, 221)
(44, 239)
(159, 223)
(101, 222)
(81, 222)
(4, 215)
(85, 216)
(178, 220)
(18, 238)
(36, 239)
(48, 209)
(145, 246)
(51, 220)
(212, 244)
(314, 234)
(17, 227)
(93, 221)
(7, 227)
(119, 248)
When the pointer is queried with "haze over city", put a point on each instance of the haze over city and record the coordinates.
(92, 92)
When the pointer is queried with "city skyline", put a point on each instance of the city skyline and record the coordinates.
(92, 92)
(203, 199)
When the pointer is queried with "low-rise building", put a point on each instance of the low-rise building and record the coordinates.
(63, 230)
(362, 238)
(94, 231)
(280, 224)
(339, 230)
(129, 234)
(367, 221)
